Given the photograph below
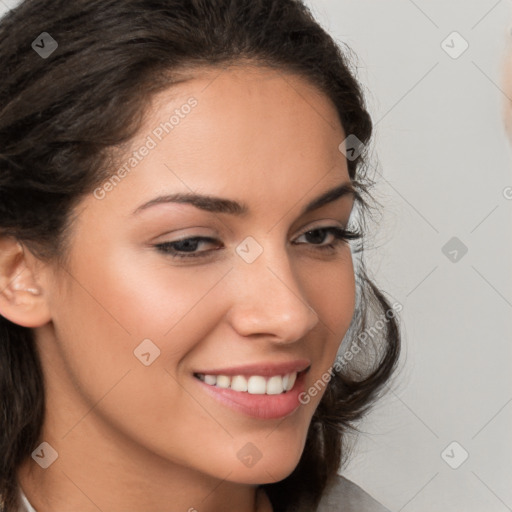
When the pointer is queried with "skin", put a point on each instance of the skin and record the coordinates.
(131, 437)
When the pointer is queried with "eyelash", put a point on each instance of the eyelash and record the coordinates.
(340, 236)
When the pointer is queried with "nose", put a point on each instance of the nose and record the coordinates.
(269, 301)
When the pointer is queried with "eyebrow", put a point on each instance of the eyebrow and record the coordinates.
(220, 205)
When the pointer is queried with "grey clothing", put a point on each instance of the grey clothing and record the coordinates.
(341, 496)
(346, 496)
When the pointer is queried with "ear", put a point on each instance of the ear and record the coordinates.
(22, 298)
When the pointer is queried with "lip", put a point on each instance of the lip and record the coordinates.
(265, 369)
(264, 407)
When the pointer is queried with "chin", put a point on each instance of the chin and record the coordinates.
(273, 467)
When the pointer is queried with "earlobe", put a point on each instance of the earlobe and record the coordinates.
(22, 298)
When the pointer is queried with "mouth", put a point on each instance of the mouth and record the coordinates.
(253, 384)
(259, 396)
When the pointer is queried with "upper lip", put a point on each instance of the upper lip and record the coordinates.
(264, 369)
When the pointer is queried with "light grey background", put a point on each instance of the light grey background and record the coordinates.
(445, 161)
(443, 164)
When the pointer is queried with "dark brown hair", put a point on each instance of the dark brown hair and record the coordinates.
(61, 116)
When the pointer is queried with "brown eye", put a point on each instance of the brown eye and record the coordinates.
(185, 248)
(340, 235)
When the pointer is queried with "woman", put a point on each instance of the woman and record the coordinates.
(506, 85)
(182, 187)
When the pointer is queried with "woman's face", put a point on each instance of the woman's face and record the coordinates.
(133, 325)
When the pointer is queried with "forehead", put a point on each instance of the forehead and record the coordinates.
(237, 130)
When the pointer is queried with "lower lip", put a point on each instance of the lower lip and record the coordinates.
(265, 407)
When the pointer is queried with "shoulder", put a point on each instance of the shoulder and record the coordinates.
(344, 495)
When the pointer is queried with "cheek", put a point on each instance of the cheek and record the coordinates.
(333, 297)
(113, 305)
(331, 289)
(115, 312)
(102, 319)
(141, 296)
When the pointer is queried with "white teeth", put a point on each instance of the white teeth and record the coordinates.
(275, 385)
(255, 385)
(239, 383)
(223, 381)
(289, 381)
(210, 379)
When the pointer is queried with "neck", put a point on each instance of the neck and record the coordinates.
(89, 476)
(99, 467)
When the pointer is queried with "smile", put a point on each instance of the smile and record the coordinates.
(254, 384)
(263, 397)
